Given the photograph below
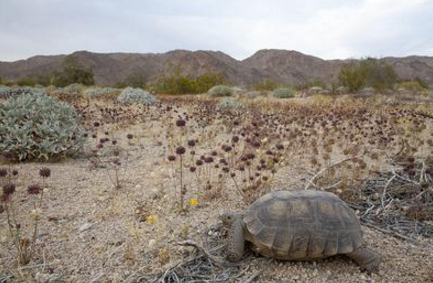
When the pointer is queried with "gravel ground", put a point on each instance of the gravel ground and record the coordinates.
(89, 231)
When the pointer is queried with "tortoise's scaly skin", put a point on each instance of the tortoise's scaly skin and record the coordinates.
(301, 225)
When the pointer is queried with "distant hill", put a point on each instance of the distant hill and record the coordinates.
(279, 65)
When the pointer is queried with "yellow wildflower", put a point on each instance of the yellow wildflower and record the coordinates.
(193, 202)
(151, 219)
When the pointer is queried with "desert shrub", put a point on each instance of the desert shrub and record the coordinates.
(284, 92)
(73, 72)
(207, 81)
(9, 92)
(411, 86)
(176, 84)
(252, 94)
(136, 95)
(230, 103)
(4, 91)
(71, 90)
(368, 72)
(180, 84)
(101, 92)
(35, 126)
(220, 90)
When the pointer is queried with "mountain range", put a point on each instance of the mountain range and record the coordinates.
(283, 66)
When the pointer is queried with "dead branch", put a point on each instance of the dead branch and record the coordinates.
(217, 260)
(311, 181)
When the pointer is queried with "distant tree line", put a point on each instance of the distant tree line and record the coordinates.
(357, 75)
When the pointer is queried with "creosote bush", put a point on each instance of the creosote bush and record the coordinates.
(136, 95)
(35, 126)
(284, 92)
(369, 72)
(220, 90)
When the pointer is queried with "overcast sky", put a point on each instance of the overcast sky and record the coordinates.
(327, 29)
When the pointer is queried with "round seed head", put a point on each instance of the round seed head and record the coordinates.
(8, 189)
(45, 172)
(3, 172)
(180, 150)
(34, 189)
(180, 123)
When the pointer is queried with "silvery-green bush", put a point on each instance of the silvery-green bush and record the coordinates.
(284, 92)
(220, 90)
(252, 94)
(9, 92)
(70, 90)
(36, 126)
(136, 95)
(100, 92)
(230, 103)
(4, 91)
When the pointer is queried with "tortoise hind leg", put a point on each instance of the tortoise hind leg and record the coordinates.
(367, 259)
(236, 241)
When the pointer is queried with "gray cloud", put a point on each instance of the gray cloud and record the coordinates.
(328, 29)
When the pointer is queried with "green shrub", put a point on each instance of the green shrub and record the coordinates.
(284, 92)
(411, 86)
(35, 126)
(220, 90)
(368, 72)
(136, 95)
(73, 72)
(205, 82)
(229, 103)
(180, 84)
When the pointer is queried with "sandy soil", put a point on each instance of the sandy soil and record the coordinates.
(89, 231)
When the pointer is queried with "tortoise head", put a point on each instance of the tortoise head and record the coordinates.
(229, 217)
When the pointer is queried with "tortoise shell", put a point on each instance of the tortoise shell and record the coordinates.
(302, 225)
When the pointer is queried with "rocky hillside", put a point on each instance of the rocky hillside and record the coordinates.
(279, 65)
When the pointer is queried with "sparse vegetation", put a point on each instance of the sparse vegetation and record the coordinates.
(23, 239)
(183, 160)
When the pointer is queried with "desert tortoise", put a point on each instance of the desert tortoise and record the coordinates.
(299, 225)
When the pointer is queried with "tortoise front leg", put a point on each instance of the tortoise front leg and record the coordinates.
(236, 241)
(367, 259)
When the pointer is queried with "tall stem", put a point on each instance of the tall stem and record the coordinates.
(181, 183)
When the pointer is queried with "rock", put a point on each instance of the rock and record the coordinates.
(85, 227)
